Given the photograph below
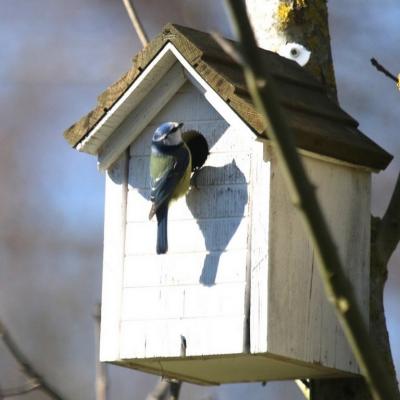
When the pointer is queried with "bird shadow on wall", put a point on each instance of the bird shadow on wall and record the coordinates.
(217, 203)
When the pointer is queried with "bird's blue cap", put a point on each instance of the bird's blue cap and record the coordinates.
(165, 129)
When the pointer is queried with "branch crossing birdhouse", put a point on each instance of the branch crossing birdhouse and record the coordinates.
(237, 297)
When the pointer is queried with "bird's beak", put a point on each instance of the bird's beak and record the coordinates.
(180, 125)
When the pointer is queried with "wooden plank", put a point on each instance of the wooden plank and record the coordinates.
(204, 336)
(310, 331)
(191, 106)
(183, 301)
(187, 236)
(219, 169)
(185, 269)
(221, 137)
(144, 83)
(205, 202)
(233, 369)
(260, 207)
(113, 258)
(137, 120)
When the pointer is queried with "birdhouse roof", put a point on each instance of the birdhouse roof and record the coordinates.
(318, 123)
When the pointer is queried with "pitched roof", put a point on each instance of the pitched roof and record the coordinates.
(318, 123)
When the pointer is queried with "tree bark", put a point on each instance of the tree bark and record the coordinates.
(277, 22)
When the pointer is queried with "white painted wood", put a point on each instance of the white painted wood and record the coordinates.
(204, 336)
(219, 169)
(201, 281)
(136, 121)
(310, 331)
(188, 236)
(113, 258)
(184, 269)
(139, 89)
(183, 301)
(144, 86)
(231, 141)
(236, 245)
(225, 201)
(260, 192)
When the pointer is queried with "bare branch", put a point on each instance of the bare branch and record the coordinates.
(26, 367)
(174, 389)
(337, 288)
(384, 71)
(13, 392)
(304, 388)
(160, 392)
(101, 368)
(137, 25)
(171, 387)
(388, 234)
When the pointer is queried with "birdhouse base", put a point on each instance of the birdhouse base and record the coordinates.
(232, 368)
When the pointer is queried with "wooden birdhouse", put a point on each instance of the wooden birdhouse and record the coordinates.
(237, 297)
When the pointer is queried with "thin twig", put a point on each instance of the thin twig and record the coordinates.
(382, 69)
(26, 367)
(168, 387)
(137, 25)
(388, 235)
(338, 289)
(161, 390)
(174, 389)
(19, 391)
(101, 368)
(304, 389)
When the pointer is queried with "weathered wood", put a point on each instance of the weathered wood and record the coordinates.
(188, 293)
(230, 368)
(208, 235)
(183, 301)
(219, 169)
(312, 332)
(128, 101)
(184, 269)
(260, 238)
(204, 59)
(204, 336)
(137, 120)
(113, 258)
(230, 142)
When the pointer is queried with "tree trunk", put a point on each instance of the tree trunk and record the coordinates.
(276, 23)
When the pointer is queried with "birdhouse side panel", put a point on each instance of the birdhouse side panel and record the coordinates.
(113, 257)
(302, 324)
(197, 291)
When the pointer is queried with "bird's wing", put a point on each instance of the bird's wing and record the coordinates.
(173, 167)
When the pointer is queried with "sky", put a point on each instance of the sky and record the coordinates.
(56, 58)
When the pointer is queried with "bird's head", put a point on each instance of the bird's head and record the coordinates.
(168, 133)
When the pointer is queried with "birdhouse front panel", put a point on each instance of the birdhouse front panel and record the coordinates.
(197, 292)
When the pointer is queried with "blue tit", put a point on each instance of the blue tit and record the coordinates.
(170, 169)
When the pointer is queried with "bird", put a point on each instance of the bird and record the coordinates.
(170, 171)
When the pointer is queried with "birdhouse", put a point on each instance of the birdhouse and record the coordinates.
(237, 297)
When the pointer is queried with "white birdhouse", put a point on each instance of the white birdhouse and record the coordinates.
(237, 297)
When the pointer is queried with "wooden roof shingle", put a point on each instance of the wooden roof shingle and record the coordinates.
(318, 123)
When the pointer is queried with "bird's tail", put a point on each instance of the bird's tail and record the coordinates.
(162, 234)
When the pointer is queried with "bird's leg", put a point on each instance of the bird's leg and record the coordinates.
(194, 178)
